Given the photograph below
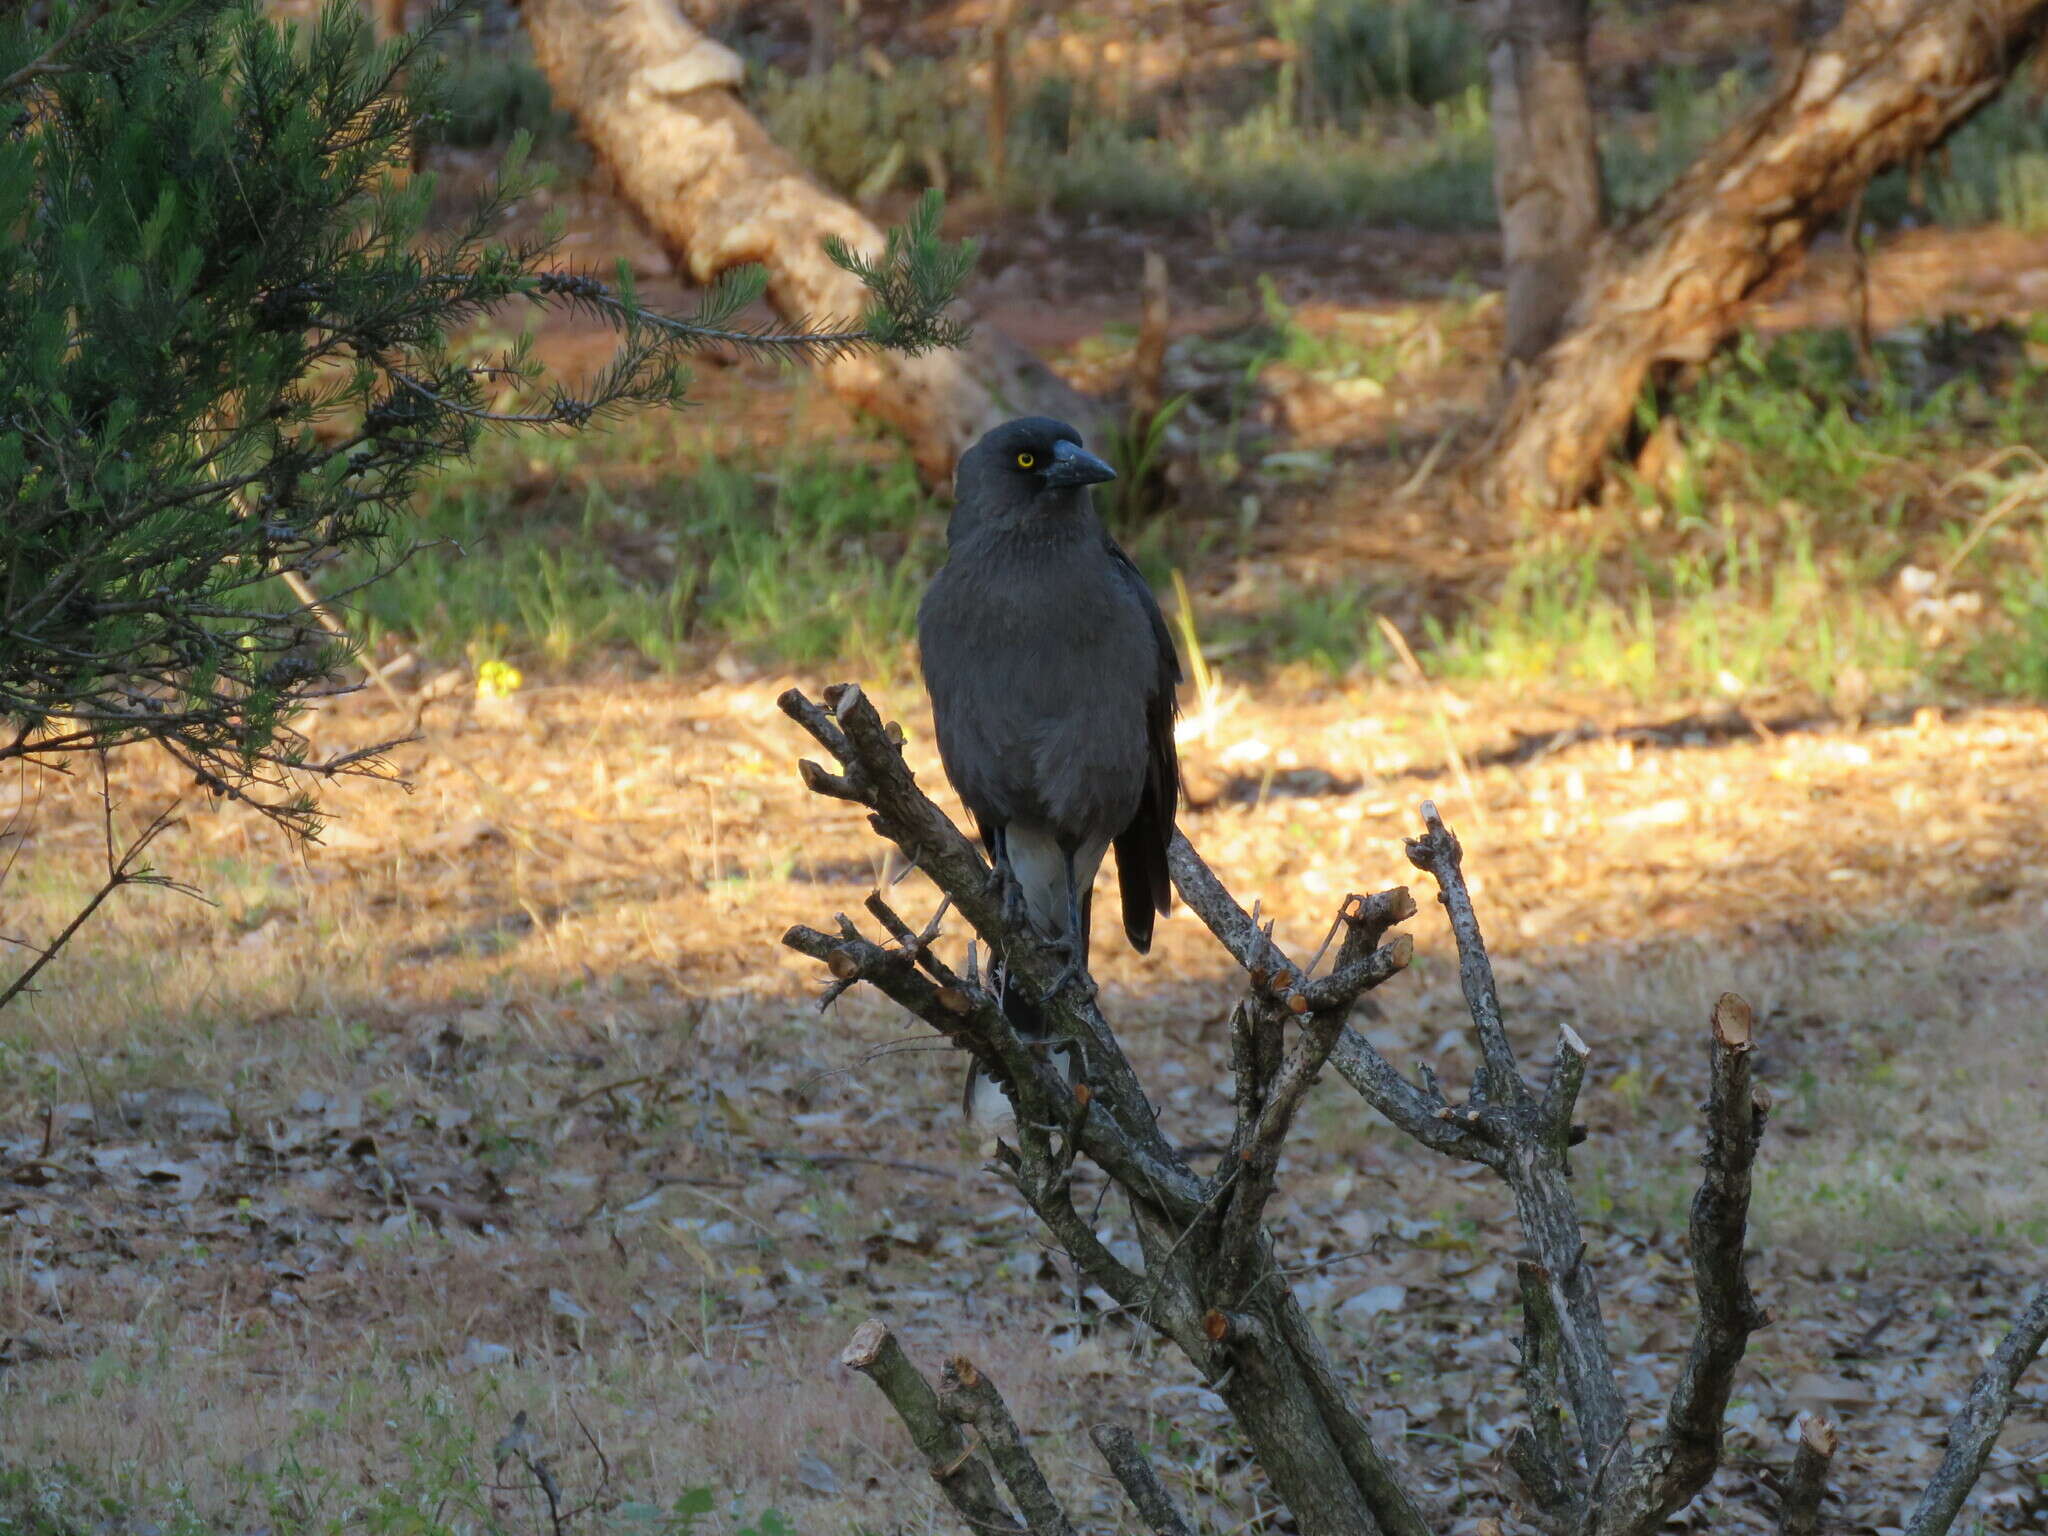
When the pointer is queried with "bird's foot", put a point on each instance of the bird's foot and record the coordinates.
(1005, 887)
(1073, 970)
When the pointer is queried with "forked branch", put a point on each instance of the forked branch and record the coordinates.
(1207, 1255)
(1209, 1279)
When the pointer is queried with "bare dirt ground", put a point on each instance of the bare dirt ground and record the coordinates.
(506, 1099)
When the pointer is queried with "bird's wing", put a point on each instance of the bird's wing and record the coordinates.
(1141, 846)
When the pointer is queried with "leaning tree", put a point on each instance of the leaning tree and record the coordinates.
(1595, 313)
(1212, 1279)
(658, 101)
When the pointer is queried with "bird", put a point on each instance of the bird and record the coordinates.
(1053, 684)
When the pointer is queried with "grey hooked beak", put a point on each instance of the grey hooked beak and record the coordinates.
(1074, 465)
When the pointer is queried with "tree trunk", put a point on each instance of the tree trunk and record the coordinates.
(1888, 82)
(1546, 161)
(656, 99)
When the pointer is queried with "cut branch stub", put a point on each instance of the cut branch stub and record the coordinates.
(1799, 1514)
(1734, 1022)
(1690, 1447)
(960, 1474)
(968, 1396)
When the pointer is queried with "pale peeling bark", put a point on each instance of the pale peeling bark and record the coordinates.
(1546, 161)
(656, 99)
(1890, 81)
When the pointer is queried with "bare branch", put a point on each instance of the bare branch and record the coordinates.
(48, 62)
(1392, 1506)
(1561, 1093)
(1116, 1126)
(123, 869)
(1691, 1444)
(1251, 946)
(960, 1474)
(1269, 1098)
(1437, 852)
(1799, 1515)
(1537, 1452)
(1533, 1137)
(1133, 1469)
(1974, 1431)
(969, 1397)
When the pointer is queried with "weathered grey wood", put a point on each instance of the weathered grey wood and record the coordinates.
(1974, 1431)
(1546, 161)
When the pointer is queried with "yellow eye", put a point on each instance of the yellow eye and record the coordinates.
(1026, 460)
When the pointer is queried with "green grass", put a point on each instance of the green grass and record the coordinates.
(495, 90)
(1377, 115)
(865, 134)
(1349, 57)
(1432, 170)
(1994, 170)
(809, 560)
(1772, 559)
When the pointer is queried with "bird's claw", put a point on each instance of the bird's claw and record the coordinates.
(1073, 970)
(1005, 886)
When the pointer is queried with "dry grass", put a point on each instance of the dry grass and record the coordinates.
(495, 1103)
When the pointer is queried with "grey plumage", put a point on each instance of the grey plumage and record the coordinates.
(1052, 681)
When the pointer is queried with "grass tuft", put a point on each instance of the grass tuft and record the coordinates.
(811, 560)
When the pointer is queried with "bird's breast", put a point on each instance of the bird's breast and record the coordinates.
(1039, 686)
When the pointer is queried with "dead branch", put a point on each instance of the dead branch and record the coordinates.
(1537, 1134)
(1271, 1090)
(1422, 1112)
(1691, 1445)
(1975, 1430)
(962, 1477)
(658, 100)
(1133, 1469)
(1536, 1452)
(1437, 852)
(968, 1396)
(1207, 1254)
(1800, 1513)
(124, 868)
(1887, 83)
(1209, 1279)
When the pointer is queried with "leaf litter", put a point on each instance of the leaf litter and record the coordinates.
(504, 1150)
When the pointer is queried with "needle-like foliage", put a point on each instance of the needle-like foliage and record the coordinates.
(229, 355)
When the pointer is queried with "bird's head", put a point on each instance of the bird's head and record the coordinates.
(1032, 465)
